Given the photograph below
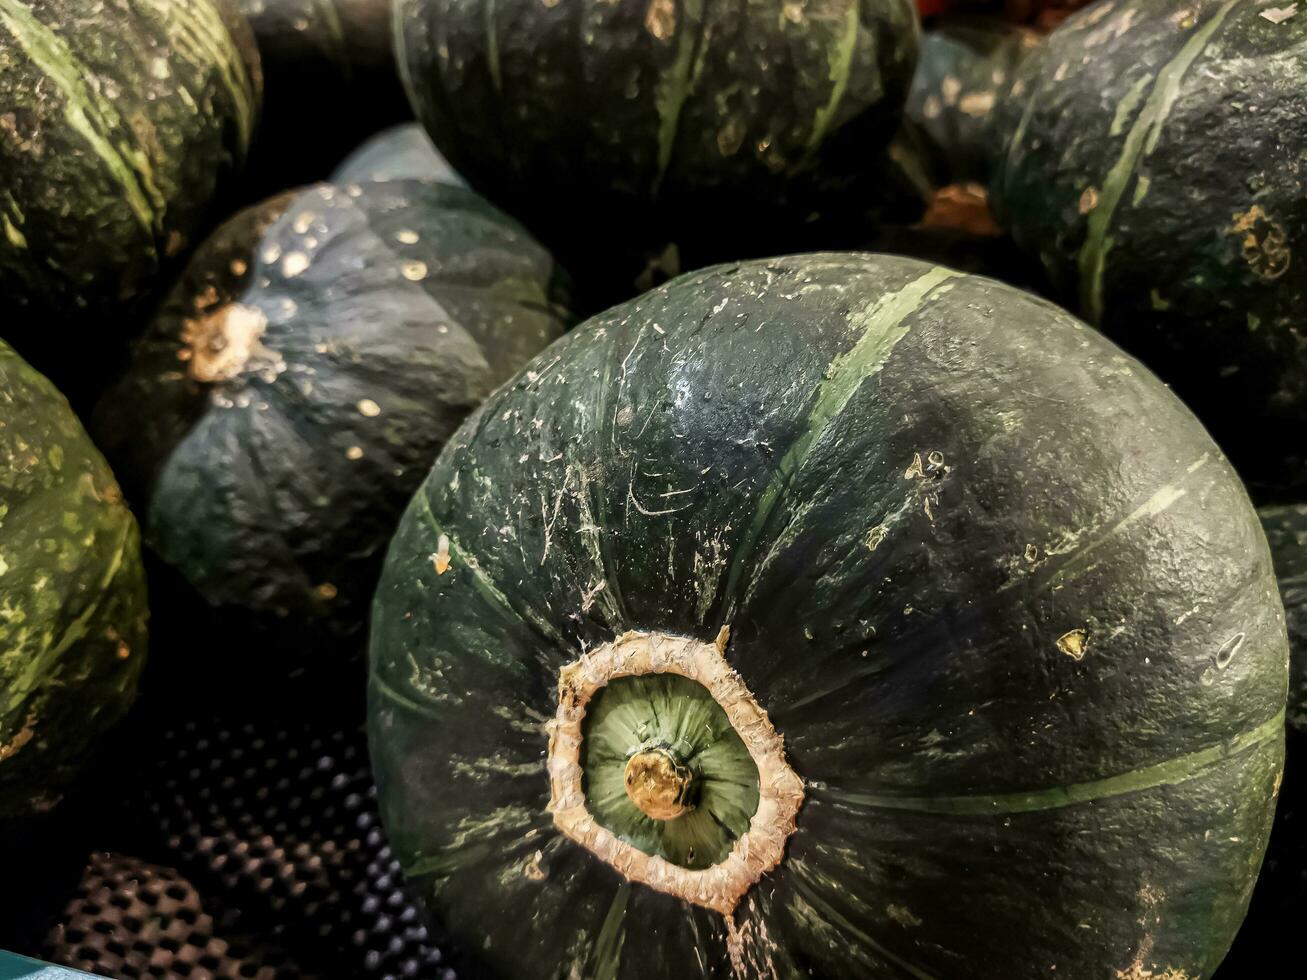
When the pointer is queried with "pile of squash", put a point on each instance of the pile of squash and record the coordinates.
(782, 477)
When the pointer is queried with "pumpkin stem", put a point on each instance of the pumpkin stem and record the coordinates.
(659, 784)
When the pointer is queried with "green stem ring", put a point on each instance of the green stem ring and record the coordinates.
(663, 765)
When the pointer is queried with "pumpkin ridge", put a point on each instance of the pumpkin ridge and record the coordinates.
(1189, 766)
(675, 88)
(83, 110)
(844, 376)
(828, 912)
(1158, 502)
(841, 65)
(1152, 117)
(211, 38)
(484, 584)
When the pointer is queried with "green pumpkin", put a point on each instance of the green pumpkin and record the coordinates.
(72, 595)
(992, 617)
(297, 385)
(402, 152)
(641, 122)
(119, 122)
(1286, 530)
(1156, 167)
(963, 74)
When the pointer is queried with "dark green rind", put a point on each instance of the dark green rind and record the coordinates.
(118, 125)
(399, 153)
(1156, 169)
(248, 485)
(638, 122)
(331, 82)
(963, 74)
(72, 595)
(1286, 530)
(979, 802)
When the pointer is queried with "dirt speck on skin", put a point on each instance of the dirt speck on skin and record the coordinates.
(1074, 643)
(902, 916)
(660, 19)
(1265, 245)
(533, 870)
(1088, 200)
(24, 735)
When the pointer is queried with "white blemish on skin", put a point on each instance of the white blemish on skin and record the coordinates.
(414, 271)
(293, 264)
(406, 237)
(354, 452)
(1278, 15)
(977, 103)
(902, 916)
(440, 558)
(368, 408)
(303, 222)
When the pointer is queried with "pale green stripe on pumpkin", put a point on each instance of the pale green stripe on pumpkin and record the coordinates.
(15, 237)
(200, 34)
(881, 325)
(1173, 772)
(90, 115)
(675, 86)
(1140, 141)
(606, 957)
(484, 585)
(412, 704)
(830, 917)
(841, 66)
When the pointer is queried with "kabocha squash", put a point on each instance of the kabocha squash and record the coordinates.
(1286, 530)
(1156, 168)
(834, 616)
(72, 595)
(399, 153)
(963, 74)
(636, 123)
(296, 386)
(118, 124)
(331, 81)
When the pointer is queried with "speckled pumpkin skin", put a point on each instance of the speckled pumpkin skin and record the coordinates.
(1008, 606)
(119, 122)
(392, 309)
(72, 595)
(1157, 166)
(640, 121)
(963, 74)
